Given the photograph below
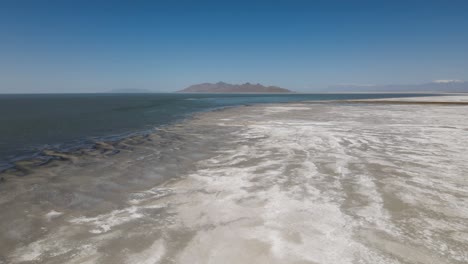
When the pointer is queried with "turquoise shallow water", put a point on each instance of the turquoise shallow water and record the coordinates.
(31, 123)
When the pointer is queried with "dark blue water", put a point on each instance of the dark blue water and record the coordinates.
(29, 123)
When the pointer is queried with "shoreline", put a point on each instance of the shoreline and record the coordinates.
(22, 163)
(113, 144)
(109, 145)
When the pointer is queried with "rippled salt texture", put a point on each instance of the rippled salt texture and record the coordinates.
(295, 183)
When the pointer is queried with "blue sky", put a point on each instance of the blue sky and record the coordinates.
(92, 46)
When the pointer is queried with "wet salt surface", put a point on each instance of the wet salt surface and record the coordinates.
(294, 183)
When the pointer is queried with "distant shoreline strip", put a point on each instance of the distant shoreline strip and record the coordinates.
(389, 102)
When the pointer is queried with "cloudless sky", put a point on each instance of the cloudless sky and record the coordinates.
(95, 46)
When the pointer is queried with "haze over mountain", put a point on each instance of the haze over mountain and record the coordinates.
(222, 87)
(449, 86)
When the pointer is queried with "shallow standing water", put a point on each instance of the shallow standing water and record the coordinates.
(279, 183)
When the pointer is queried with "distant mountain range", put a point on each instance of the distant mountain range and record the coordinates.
(449, 86)
(222, 87)
(438, 86)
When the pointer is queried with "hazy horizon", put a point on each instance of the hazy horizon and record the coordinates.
(304, 46)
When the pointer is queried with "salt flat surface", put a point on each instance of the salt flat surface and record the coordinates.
(293, 183)
(336, 184)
